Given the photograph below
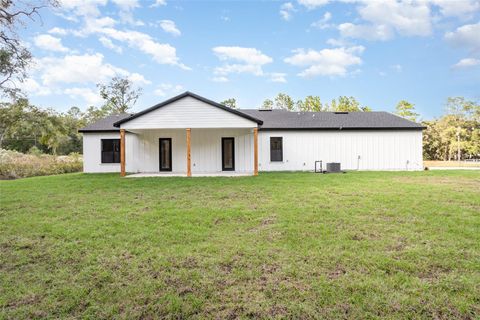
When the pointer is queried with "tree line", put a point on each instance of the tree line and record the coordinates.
(25, 127)
(308, 104)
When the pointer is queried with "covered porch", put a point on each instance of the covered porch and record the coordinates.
(178, 152)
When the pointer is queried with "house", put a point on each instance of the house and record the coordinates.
(189, 135)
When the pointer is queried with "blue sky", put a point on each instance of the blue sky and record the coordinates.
(377, 51)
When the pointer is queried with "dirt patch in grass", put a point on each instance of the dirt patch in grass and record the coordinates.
(265, 223)
(442, 181)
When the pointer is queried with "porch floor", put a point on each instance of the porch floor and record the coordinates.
(205, 174)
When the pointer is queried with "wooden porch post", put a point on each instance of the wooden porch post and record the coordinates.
(255, 151)
(189, 159)
(122, 152)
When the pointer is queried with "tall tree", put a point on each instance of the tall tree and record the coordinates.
(231, 103)
(119, 95)
(406, 110)
(14, 56)
(11, 115)
(454, 135)
(267, 104)
(310, 103)
(347, 104)
(284, 101)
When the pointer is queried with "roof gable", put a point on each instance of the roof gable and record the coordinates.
(185, 95)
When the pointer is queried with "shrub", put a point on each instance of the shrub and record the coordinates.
(35, 151)
(15, 165)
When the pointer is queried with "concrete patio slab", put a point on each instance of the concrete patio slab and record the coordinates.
(170, 174)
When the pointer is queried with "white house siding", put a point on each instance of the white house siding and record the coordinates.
(207, 149)
(188, 112)
(92, 149)
(142, 150)
(146, 154)
(378, 150)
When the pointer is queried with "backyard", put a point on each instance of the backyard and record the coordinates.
(287, 245)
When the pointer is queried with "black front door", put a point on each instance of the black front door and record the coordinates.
(165, 154)
(228, 154)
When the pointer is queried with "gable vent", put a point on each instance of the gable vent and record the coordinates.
(341, 112)
(264, 109)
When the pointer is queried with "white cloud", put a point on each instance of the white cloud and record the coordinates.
(81, 69)
(408, 18)
(160, 52)
(93, 25)
(90, 96)
(286, 11)
(88, 8)
(465, 36)
(397, 67)
(323, 23)
(50, 43)
(338, 42)
(326, 62)
(467, 63)
(244, 60)
(126, 11)
(107, 43)
(169, 27)
(58, 31)
(312, 4)
(159, 3)
(220, 79)
(463, 8)
(126, 4)
(165, 89)
(278, 77)
(137, 78)
(367, 32)
(385, 18)
(33, 87)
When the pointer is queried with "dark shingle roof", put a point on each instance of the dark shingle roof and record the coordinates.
(281, 119)
(105, 124)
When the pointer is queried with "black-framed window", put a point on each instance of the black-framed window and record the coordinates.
(110, 150)
(276, 149)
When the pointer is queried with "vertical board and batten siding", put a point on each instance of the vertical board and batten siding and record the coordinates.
(207, 149)
(147, 158)
(188, 112)
(142, 150)
(378, 149)
(92, 152)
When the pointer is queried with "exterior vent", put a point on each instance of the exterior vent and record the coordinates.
(341, 112)
(264, 109)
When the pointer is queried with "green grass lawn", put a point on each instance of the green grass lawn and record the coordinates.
(287, 245)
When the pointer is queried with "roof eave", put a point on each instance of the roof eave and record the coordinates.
(83, 130)
(341, 128)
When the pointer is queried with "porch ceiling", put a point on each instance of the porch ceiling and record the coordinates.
(143, 130)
